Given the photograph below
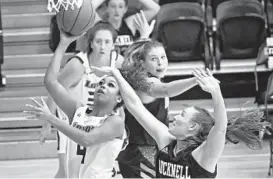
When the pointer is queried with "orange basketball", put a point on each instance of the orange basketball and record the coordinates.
(77, 21)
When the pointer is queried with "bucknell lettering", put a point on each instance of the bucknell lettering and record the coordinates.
(89, 84)
(81, 127)
(168, 169)
(124, 40)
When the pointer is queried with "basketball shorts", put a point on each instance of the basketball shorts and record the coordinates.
(137, 161)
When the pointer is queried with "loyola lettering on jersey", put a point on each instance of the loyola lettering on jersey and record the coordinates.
(81, 127)
(91, 87)
(168, 169)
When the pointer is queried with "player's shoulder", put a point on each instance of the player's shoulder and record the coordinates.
(152, 79)
(81, 110)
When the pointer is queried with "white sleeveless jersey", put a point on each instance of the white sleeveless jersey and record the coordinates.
(100, 158)
(84, 90)
(75, 152)
(97, 161)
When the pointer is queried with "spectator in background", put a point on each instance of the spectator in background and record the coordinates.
(123, 21)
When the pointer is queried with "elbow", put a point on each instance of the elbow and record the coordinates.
(157, 8)
(46, 81)
(86, 141)
(162, 93)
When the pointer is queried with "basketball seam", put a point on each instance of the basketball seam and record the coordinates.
(75, 21)
(91, 19)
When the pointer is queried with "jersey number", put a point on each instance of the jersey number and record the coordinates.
(81, 151)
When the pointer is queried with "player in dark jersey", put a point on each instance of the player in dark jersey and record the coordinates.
(194, 142)
(137, 160)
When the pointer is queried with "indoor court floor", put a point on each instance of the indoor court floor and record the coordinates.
(237, 161)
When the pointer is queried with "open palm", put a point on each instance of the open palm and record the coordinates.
(40, 110)
(104, 70)
(206, 81)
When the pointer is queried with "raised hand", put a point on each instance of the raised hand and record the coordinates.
(206, 81)
(142, 25)
(40, 110)
(104, 70)
(64, 38)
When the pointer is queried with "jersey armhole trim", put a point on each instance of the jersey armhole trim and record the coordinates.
(77, 57)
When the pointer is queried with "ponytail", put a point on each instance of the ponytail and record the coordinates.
(246, 128)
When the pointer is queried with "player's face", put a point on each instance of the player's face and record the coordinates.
(102, 43)
(116, 9)
(182, 123)
(108, 91)
(156, 62)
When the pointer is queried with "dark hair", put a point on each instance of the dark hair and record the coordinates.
(120, 104)
(241, 128)
(101, 25)
(107, 2)
(136, 78)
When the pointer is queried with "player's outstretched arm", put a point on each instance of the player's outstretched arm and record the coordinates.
(133, 103)
(208, 154)
(58, 93)
(113, 127)
(171, 89)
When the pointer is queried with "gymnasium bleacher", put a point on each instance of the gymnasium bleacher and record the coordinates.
(26, 55)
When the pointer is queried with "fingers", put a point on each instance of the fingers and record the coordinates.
(93, 68)
(142, 16)
(201, 84)
(137, 20)
(152, 25)
(33, 107)
(208, 72)
(198, 77)
(35, 114)
(36, 102)
(202, 74)
(43, 101)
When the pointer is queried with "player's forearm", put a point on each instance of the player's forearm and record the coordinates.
(220, 113)
(150, 8)
(74, 134)
(55, 64)
(150, 5)
(178, 87)
(173, 88)
(129, 96)
(51, 105)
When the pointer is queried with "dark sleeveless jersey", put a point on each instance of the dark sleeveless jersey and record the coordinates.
(181, 166)
(125, 38)
(138, 134)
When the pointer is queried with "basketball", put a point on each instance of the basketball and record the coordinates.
(76, 21)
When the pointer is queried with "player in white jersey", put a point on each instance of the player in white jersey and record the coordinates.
(103, 142)
(77, 77)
